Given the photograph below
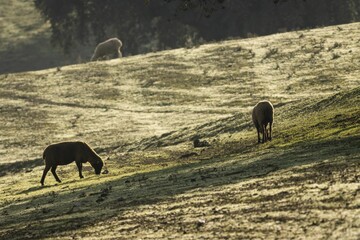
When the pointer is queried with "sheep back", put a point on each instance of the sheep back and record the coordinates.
(262, 114)
(110, 46)
(67, 152)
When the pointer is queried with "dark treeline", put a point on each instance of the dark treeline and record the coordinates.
(151, 25)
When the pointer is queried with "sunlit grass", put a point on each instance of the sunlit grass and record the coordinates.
(143, 112)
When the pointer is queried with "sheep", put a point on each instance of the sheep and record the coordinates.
(262, 114)
(109, 47)
(66, 152)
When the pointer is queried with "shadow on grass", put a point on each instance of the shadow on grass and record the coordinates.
(20, 166)
(32, 189)
(37, 53)
(103, 201)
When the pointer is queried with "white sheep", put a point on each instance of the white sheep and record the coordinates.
(109, 47)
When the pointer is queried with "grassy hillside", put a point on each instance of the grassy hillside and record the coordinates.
(143, 113)
(25, 40)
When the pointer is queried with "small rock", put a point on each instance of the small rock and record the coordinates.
(198, 143)
(200, 223)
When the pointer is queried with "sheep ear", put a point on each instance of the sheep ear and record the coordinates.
(108, 158)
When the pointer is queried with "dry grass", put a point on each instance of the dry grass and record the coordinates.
(143, 111)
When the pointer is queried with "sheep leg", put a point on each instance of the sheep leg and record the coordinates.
(47, 168)
(270, 130)
(266, 132)
(263, 133)
(53, 170)
(79, 165)
(258, 133)
(119, 54)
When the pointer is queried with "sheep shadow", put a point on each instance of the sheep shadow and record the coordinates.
(33, 189)
(160, 185)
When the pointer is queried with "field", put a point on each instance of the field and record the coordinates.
(142, 113)
(25, 40)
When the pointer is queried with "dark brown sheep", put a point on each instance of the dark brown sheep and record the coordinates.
(68, 152)
(262, 115)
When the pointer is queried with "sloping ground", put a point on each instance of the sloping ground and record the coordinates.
(295, 186)
(25, 40)
(118, 102)
(143, 111)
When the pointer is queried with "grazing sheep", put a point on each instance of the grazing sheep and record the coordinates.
(109, 47)
(67, 152)
(262, 114)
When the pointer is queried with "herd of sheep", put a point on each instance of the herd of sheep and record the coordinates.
(79, 152)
